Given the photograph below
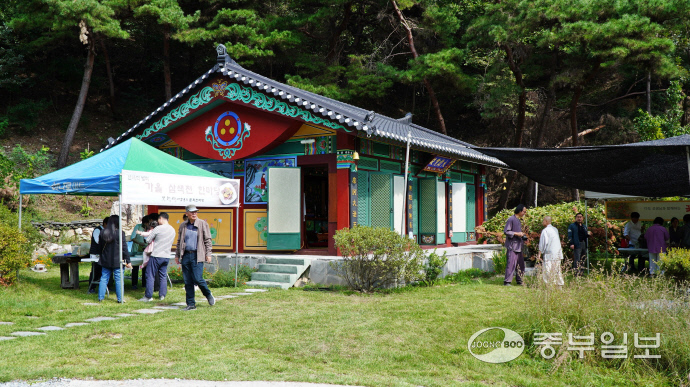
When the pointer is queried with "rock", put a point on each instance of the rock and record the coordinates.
(67, 248)
(48, 231)
(79, 231)
(56, 233)
(53, 247)
(68, 234)
(39, 252)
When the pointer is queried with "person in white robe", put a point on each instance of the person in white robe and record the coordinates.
(551, 251)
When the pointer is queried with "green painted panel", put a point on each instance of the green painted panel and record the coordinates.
(383, 150)
(381, 208)
(390, 166)
(470, 210)
(427, 210)
(467, 178)
(363, 198)
(368, 163)
(415, 206)
(287, 148)
(284, 242)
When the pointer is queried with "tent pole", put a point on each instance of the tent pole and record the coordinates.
(237, 239)
(586, 239)
(20, 212)
(407, 163)
(119, 237)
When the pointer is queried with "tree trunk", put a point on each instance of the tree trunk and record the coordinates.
(166, 62)
(550, 98)
(413, 50)
(649, 92)
(108, 69)
(332, 56)
(79, 108)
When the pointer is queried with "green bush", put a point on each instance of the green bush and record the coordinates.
(11, 219)
(433, 267)
(466, 276)
(375, 258)
(562, 216)
(226, 278)
(13, 253)
(676, 264)
(26, 114)
(4, 123)
(500, 259)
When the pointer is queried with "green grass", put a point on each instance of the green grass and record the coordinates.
(406, 338)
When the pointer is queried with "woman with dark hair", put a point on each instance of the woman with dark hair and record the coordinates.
(112, 241)
(657, 239)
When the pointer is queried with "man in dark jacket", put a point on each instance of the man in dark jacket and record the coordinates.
(577, 240)
(194, 246)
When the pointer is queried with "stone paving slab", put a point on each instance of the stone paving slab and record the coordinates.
(90, 303)
(99, 319)
(180, 304)
(148, 311)
(242, 294)
(25, 334)
(125, 315)
(77, 324)
(6, 323)
(3, 338)
(50, 328)
(166, 307)
(255, 290)
(225, 297)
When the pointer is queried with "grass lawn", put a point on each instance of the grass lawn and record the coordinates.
(408, 338)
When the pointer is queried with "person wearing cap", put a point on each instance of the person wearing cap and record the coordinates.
(194, 246)
(515, 262)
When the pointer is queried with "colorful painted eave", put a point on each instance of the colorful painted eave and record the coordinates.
(337, 114)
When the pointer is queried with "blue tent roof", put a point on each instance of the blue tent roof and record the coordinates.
(100, 174)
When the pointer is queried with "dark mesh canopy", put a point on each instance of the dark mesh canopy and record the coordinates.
(657, 168)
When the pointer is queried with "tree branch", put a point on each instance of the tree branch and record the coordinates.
(588, 131)
(621, 97)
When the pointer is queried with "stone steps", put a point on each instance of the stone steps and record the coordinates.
(279, 272)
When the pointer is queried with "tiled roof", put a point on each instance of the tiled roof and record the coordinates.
(363, 122)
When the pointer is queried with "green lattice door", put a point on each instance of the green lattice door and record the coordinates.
(381, 204)
(415, 207)
(427, 211)
(470, 213)
(363, 198)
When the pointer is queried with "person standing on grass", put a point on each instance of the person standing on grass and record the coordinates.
(657, 239)
(552, 253)
(95, 252)
(194, 246)
(577, 240)
(138, 245)
(515, 262)
(162, 237)
(112, 241)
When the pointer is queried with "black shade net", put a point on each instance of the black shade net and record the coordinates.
(657, 168)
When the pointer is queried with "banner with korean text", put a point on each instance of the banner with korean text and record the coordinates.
(648, 210)
(173, 190)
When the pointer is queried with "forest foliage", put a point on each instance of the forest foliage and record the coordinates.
(539, 73)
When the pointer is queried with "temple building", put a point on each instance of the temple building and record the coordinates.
(311, 165)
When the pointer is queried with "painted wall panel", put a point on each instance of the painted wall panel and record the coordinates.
(398, 203)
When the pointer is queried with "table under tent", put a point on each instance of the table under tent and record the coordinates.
(137, 174)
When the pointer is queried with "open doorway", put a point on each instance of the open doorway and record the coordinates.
(315, 191)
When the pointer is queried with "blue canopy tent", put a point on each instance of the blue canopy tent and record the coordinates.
(127, 169)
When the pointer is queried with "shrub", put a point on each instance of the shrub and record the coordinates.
(13, 253)
(562, 216)
(26, 114)
(500, 259)
(377, 258)
(226, 278)
(676, 264)
(11, 219)
(433, 267)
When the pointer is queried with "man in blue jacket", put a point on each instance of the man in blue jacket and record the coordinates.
(577, 240)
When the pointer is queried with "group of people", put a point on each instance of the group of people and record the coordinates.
(655, 239)
(154, 238)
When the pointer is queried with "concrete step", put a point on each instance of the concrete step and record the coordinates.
(278, 268)
(285, 261)
(269, 284)
(274, 277)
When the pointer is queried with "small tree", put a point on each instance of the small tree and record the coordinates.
(377, 258)
(14, 254)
